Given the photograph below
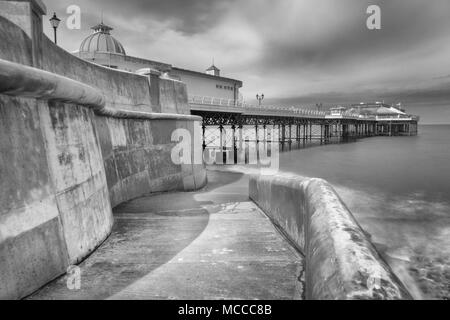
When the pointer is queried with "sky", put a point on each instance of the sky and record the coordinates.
(296, 52)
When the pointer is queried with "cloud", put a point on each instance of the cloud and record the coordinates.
(286, 48)
(442, 77)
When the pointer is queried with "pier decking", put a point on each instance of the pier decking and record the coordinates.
(211, 244)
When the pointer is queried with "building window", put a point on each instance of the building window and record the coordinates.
(229, 88)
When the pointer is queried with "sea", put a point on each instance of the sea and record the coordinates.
(398, 189)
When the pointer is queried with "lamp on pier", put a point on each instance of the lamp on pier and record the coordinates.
(260, 98)
(55, 23)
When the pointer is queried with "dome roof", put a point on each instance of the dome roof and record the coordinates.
(101, 41)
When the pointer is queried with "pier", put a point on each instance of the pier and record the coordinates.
(237, 123)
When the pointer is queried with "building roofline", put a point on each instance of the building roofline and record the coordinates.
(213, 67)
(205, 75)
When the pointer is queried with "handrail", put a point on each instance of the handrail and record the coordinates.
(296, 111)
(212, 101)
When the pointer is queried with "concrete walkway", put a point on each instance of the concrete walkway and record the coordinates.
(210, 244)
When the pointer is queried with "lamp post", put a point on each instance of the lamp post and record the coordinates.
(55, 23)
(260, 98)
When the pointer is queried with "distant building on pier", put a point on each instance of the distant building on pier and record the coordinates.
(377, 108)
(391, 120)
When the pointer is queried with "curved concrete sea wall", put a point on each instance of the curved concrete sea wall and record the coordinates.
(76, 139)
(341, 262)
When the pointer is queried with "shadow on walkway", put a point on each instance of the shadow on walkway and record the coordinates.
(148, 232)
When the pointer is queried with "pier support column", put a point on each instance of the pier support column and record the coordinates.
(203, 137)
(221, 146)
(241, 144)
(257, 141)
(233, 127)
(290, 136)
(345, 132)
(327, 133)
(279, 135)
(265, 135)
(304, 134)
(321, 134)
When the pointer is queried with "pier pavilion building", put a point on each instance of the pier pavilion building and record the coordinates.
(102, 48)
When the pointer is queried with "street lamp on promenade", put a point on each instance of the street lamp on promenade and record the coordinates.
(260, 98)
(55, 23)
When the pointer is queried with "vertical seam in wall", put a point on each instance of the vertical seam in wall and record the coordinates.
(52, 177)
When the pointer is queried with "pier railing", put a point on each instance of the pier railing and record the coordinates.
(289, 111)
(212, 101)
(242, 106)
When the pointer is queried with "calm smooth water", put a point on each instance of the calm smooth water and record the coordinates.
(398, 188)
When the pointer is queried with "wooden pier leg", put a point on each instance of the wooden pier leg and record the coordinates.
(283, 136)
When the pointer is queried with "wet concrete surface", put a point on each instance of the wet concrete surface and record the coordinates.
(210, 244)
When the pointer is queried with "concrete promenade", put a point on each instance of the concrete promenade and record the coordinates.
(210, 244)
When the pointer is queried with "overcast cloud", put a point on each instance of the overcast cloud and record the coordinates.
(293, 51)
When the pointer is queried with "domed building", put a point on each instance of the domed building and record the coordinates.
(101, 41)
(102, 48)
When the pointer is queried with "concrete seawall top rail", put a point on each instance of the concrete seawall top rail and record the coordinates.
(341, 262)
(25, 81)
